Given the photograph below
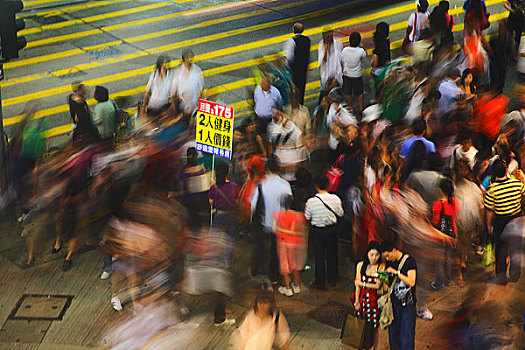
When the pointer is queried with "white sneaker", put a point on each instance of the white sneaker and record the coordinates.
(115, 301)
(105, 275)
(425, 314)
(226, 322)
(285, 291)
(296, 289)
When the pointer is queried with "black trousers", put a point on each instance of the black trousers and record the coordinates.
(299, 79)
(264, 253)
(324, 240)
(501, 252)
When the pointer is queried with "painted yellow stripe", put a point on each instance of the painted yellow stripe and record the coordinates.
(158, 50)
(39, 2)
(180, 29)
(210, 55)
(74, 8)
(64, 108)
(33, 77)
(100, 17)
(73, 52)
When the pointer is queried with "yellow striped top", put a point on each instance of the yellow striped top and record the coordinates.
(504, 197)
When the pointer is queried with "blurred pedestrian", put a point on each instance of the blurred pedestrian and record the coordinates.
(297, 51)
(188, 83)
(158, 98)
(264, 327)
(104, 113)
(352, 59)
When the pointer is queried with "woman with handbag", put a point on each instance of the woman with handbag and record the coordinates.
(195, 183)
(367, 285)
(223, 197)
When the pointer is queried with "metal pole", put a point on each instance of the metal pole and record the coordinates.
(3, 171)
(213, 179)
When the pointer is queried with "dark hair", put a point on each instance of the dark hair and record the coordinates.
(273, 164)
(265, 296)
(387, 246)
(477, 7)
(444, 5)
(447, 187)
(499, 168)
(191, 154)
(354, 39)
(321, 182)
(76, 86)
(303, 178)
(419, 126)
(422, 6)
(434, 161)
(160, 61)
(434, 95)
(101, 94)
(382, 31)
(187, 53)
(465, 74)
(372, 245)
(221, 172)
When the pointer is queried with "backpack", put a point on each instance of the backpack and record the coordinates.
(445, 224)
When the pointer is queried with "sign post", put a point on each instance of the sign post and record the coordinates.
(214, 134)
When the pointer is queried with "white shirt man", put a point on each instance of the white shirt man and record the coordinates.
(188, 83)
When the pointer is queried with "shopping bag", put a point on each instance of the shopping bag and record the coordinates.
(334, 175)
(488, 256)
(357, 333)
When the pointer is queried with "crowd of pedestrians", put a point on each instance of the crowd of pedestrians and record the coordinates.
(415, 178)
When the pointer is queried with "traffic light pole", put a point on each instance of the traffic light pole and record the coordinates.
(3, 161)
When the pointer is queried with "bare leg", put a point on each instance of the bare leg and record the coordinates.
(296, 277)
(361, 102)
(58, 228)
(287, 280)
(30, 249)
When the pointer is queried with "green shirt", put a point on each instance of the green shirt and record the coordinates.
(103, 116)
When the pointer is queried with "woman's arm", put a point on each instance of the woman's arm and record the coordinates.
(375, 59)
(358, 285)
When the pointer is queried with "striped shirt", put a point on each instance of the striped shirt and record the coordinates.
(504, 197)
(318, 214)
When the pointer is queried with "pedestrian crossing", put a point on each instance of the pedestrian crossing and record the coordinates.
(224, 35)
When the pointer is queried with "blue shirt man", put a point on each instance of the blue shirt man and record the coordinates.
(266, 97)
(419, 129)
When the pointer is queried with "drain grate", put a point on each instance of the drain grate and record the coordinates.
(331, 313)
(41, 307)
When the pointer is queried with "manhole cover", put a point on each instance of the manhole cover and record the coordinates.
(24, 331)
(331, 313)
(41, 307)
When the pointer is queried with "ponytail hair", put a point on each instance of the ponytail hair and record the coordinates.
(221, 172)
(448, 189)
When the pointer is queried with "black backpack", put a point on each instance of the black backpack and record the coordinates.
(445, 224)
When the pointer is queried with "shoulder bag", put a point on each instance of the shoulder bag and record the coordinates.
(385, 302)
(405, 47)
(334, 175)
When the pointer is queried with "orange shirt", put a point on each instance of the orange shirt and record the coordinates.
(290, 226)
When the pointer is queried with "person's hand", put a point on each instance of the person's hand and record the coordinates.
(519, 175)
(357, 306)
(391, 270)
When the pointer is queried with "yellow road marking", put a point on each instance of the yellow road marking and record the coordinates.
(100, 17)
(245, 82)
(153, 51)
(70, 9)
(202, 57)
(180, 29)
